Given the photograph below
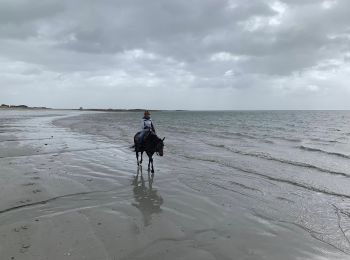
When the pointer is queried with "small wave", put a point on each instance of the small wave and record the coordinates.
(284, 161)
(334, 129)
(284, 199)
(24, 139)
(289, 139)
(244, 186)
(61, 152)
(310, 149)
(42, 202)
(216, 145)
(267, 141)
(226, 134)
(324, 140)
(228, 189)
(295, 163)
(279, 128)
(290, 182)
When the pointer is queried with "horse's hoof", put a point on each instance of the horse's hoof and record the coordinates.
(152, 171)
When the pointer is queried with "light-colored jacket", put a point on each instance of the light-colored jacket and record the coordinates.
(147, 124)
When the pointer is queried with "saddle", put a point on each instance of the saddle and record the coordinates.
(145, 137)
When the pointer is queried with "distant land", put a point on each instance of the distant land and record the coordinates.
(4, 106)
(112, 109)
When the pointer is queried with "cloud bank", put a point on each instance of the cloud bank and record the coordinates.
(198, 54)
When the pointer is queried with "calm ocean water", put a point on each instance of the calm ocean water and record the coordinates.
(288, 166)
(283, 176)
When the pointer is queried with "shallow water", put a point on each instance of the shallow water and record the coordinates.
(289, 166)
(231, 185)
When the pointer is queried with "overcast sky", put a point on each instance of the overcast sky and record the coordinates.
(176, 54)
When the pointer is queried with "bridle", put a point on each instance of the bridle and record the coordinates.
(157, 146)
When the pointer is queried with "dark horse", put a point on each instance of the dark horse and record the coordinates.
(151, 144)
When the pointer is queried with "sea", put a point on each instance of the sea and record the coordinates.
(289, 168)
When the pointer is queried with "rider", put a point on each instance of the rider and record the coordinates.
(146, 125)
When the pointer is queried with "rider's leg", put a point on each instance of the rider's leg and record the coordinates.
(141, 137)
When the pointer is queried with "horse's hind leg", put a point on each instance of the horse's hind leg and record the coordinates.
(137, 158)
(152, 171)
(150, 165)
(141, 157)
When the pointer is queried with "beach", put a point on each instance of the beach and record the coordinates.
(230, 186)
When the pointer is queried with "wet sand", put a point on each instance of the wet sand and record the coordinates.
(67, 195)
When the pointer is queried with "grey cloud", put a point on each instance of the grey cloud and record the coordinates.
(301, 2)
(167, 44)
(23, 11)
(156, 25)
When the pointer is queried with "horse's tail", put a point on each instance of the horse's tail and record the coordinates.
(135, 142)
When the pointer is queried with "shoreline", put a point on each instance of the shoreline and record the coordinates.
(87, 109)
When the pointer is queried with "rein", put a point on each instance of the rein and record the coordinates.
(158, 141)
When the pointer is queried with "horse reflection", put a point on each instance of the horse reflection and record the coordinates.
(147, 199)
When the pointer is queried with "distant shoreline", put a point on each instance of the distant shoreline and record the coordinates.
(24, 107)
(75, 109)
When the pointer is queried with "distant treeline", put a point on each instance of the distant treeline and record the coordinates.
(111, 109)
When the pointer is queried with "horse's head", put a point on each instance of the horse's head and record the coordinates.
(160, 146)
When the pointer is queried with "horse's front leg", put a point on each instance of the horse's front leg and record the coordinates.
(141, 157)
(150, 163)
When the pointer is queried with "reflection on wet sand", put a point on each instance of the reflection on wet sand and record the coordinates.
(147, 199)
